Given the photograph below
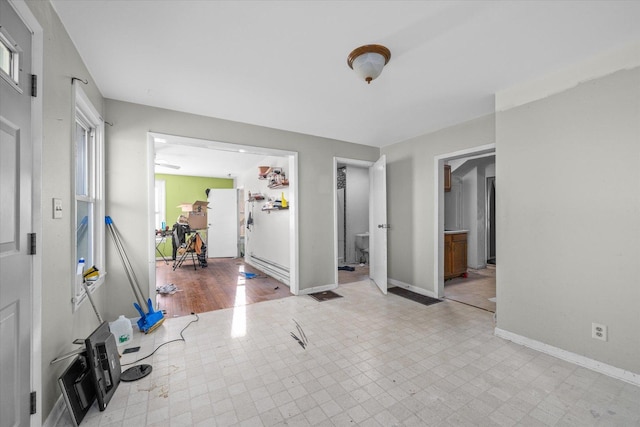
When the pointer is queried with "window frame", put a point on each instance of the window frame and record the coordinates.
(86, 116)
(12, 75)
(160, 211)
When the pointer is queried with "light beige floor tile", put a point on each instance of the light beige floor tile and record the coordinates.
(372, 360)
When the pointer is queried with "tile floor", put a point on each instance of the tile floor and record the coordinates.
(477, 289)
(372, 360)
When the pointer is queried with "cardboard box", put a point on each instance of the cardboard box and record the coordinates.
(197, 206)
(197, 214)
(198, 220)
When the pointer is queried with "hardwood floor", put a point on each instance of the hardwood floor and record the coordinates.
(219, 285)
(475, 290)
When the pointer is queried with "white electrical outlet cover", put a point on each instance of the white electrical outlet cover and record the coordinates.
(599, 331)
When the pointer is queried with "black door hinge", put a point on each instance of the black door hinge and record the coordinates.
(34, 85)
(32, 398)
(32, 243)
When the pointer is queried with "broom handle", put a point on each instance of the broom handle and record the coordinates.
(131, 276)
(93, 304)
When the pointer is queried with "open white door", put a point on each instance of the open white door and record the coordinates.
(222, 236)
(378, 223)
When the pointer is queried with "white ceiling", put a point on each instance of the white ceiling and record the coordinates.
(282, 64)
(196, 157)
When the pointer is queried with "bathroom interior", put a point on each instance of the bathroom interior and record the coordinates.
(353, 221)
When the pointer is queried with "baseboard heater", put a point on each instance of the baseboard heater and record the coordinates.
(275, 270)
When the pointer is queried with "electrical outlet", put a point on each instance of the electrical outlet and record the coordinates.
(598, 331)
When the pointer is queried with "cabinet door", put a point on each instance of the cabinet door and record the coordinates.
(459, 254)
(448, 257)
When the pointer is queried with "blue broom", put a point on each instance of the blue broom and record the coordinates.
(152, 319)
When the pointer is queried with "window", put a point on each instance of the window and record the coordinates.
(9, 59)
(88, 189)
(160, 208)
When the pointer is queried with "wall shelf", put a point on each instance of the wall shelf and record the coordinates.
(282, 185)
(255, 197)
(275, 209)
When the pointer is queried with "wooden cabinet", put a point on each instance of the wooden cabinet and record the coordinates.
(455, 254)
(447, 178)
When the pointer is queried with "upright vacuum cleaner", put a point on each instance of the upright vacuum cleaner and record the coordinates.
(152, 319)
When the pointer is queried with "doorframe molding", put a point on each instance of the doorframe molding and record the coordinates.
(292, 157)
(488, 228)
(438, 206)
(37, 60)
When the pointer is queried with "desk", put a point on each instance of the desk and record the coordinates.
(160, 239)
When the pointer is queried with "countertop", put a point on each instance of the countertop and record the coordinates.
(455, 231)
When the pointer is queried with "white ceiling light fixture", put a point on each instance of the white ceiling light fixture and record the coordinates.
(368, 61)
(165, 164)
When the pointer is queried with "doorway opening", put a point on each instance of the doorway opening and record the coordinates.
(376, 195)
(238, 165)
(352, 216)
(465, 225)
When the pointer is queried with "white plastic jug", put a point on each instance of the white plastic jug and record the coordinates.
(121, 330)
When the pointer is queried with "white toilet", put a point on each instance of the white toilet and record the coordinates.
(362, 248)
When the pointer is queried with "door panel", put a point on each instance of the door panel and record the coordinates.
(10, 193)
(378, 223)
(15, 224)
(222, 236)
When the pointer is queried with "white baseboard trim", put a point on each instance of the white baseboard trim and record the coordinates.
(56, 412)
(278, 272)
(412, 288)
(315, 289)
(594, 365)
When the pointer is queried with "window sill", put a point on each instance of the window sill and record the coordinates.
(93, 285)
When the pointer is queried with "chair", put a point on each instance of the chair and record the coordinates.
(194, 246)
(184, 250)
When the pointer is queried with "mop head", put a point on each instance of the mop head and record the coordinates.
(150, 321)
(153, 321)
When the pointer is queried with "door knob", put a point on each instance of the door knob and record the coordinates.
(384, 226)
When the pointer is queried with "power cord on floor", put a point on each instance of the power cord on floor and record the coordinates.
(165, 343)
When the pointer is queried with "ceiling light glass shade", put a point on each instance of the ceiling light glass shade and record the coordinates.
(368, 61)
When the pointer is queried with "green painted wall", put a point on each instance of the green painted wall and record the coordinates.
(185, 189)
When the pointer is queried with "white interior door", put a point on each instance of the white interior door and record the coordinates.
(378, 223)
(222, 235)
(15, 219)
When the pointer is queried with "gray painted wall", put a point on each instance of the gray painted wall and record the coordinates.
(563, 217)
(59, 325)
(568, 209)
(127, 186)
(410, 198)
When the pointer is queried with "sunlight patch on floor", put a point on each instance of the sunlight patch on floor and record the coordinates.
(239, 322)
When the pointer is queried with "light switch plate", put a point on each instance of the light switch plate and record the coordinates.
(57, 208)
